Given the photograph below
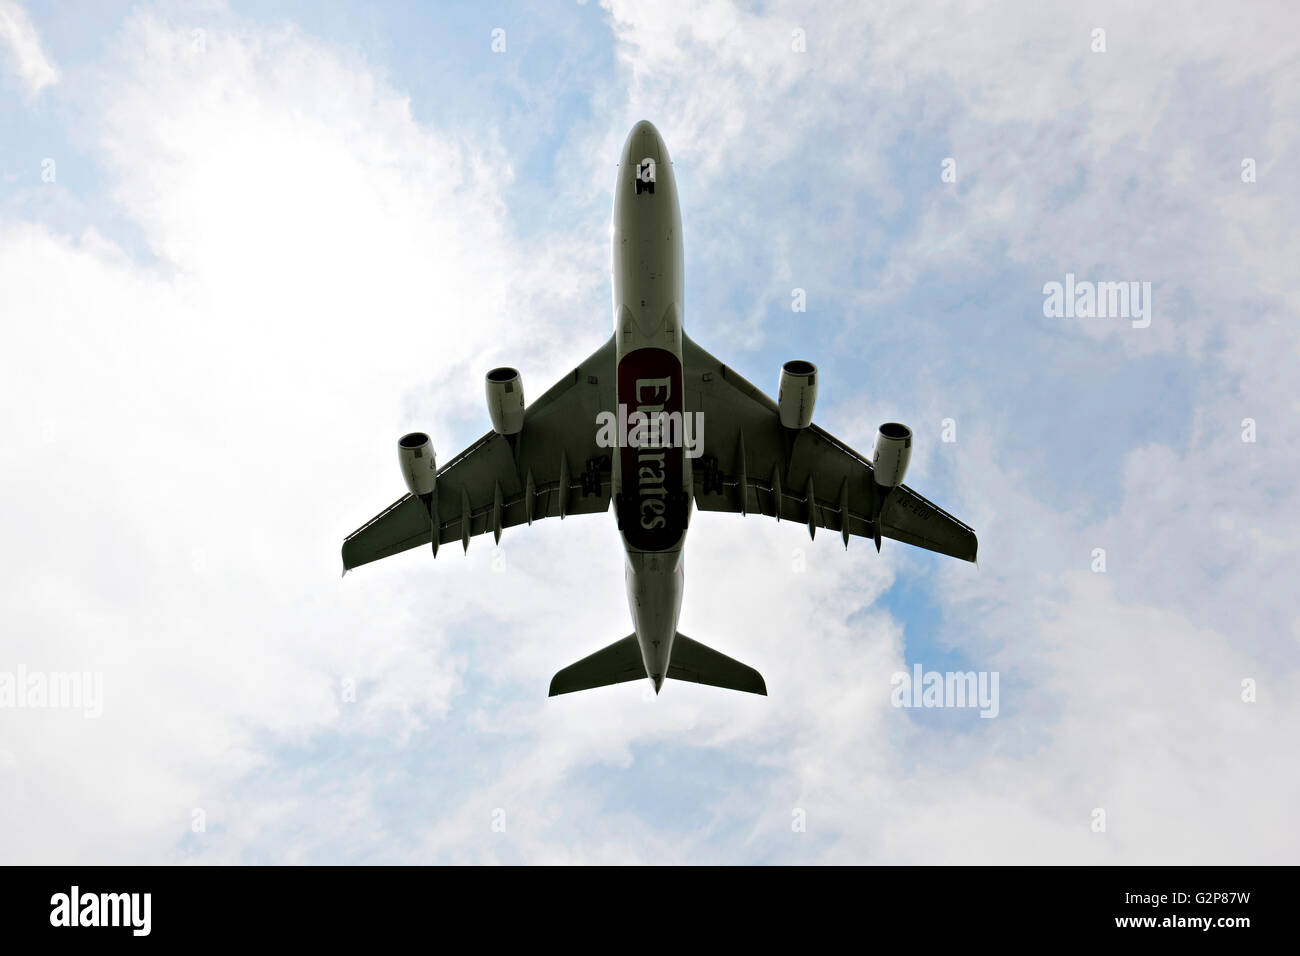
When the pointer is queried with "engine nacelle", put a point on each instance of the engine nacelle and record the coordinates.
(419, 464)
(893, 452)
(505, 400)
(797, 393)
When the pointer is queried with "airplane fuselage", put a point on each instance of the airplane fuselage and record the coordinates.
(652, 483)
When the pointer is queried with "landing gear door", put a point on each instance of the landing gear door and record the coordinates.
(645, 176)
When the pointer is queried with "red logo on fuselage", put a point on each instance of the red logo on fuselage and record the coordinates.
(652, 502)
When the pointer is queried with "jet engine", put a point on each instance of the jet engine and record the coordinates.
(505, 400)
(419, 464)
(893, 452)
(797, 393)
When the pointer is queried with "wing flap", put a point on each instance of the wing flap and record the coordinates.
(401, 526)
(910, 518)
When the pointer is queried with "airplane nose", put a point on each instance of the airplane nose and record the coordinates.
(658, 680)
(644, 128)
(643, 141)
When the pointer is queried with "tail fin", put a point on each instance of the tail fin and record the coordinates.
(619, 662)
(692, 661)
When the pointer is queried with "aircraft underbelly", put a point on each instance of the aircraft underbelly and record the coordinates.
(654, 596)
(652, 479)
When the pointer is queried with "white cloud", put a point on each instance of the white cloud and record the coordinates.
(27, 58)
(192, 438)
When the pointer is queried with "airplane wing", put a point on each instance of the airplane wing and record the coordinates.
(751, 464)
(552, 467)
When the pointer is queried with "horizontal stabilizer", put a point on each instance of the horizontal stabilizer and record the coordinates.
(692, 661)
(619, 662)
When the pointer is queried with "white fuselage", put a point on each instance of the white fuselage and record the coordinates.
(652, 485)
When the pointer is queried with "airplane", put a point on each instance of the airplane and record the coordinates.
(755, 457)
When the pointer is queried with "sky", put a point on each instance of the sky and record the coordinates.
(245, 246)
